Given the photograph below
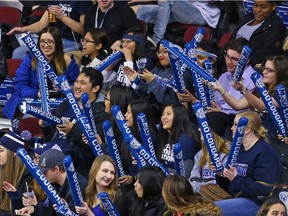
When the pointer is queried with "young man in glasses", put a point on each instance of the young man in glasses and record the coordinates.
(220, 108)
(232, 54)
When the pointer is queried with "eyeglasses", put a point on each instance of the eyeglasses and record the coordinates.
(107, 99)
(126, 41)
(85, 41)
(268, 70)
(49, 42)
(232, 59)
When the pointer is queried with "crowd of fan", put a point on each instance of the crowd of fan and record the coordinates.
(141, 82)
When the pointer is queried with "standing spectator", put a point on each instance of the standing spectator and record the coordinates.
(254, 174)
(70, 22)
(263, 29)
(26, 80)
(186, 12)
(103, 177)
(113, 16)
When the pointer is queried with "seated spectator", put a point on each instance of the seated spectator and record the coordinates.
(232, 54)
(51, 165)
(12, 171)
(158, 81)
(68, 135)
(263, 29)
(186, 12)
(181, 200)
(256, 171)
(285, 47)
(175, 127)
(94, 47)
(133, 109)
(136, 56)
(203, 172)
(209, 50)
(103, 177)
(70, 22)
(121, 96)
(275, 71)
(148, 188)
(26, 80)
(116, 17)
(272, 206)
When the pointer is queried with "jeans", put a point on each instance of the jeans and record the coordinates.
(238, 207)
(68, 45)
(168, 12)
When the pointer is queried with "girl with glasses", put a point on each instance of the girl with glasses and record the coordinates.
(95, 45)
(26, 80)
(275, 71)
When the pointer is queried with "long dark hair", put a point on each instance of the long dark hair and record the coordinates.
(151, 180)
(100, 36)
(121, 95)
(280, 63)
(141, 48)
(181, 124)
(137, 107)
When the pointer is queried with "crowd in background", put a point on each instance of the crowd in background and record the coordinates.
(142, 81)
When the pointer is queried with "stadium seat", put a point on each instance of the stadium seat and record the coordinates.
(190, 32)
(10, 16)
(13, 65)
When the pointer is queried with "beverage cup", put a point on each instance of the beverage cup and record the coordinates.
(29, 194)
(52, 17)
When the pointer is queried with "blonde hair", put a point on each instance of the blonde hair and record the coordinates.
(179, 197)
(285, 44)
(11, 172)
(221, 146)
(255, 123)
(91, 190)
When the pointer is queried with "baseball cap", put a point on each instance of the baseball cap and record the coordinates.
(50, 158)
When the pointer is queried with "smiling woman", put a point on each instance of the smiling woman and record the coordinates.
(175, 127)
(103, 177)
(26, 80)
(275, 71)
(263, 29)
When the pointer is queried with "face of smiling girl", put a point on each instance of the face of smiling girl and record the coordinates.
(163, 56)
(129, 116)
(105, 175)
(167, 118)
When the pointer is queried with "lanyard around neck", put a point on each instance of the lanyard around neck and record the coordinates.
(96, 17)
